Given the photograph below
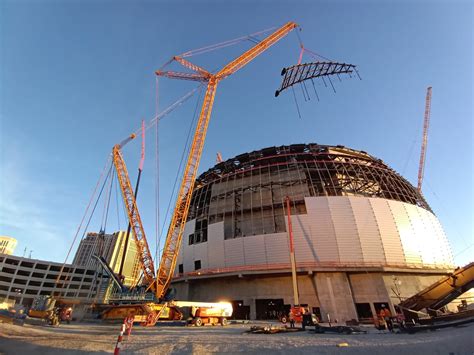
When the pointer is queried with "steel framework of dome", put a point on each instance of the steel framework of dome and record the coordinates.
(247, 192)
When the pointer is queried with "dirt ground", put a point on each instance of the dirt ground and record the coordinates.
(85, 338)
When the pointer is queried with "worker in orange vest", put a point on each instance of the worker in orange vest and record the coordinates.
(386, 315)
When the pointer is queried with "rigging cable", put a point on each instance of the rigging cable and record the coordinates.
(157, 178)
(224, 44)
(84, 216)
(109, 193)
(185, 150)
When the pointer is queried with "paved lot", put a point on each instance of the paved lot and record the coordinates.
(83, 338)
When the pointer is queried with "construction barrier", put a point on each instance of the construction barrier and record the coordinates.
(118, 345)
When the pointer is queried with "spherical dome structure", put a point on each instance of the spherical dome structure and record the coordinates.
(353, 218)
(348, 207)
(357, 226)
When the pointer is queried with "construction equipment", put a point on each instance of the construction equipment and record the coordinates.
(297, 313)
(440, 293)
(426, 125)
(52, 310)
(159, 284)
(178, 220)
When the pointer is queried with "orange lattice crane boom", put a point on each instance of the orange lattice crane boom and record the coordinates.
(426, 125)
(134, 218)
(180, 214)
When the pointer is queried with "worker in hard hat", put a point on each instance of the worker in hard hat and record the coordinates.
(386, 315)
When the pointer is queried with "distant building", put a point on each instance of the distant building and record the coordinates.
(111, 248)
(22, 279)
(7, 245)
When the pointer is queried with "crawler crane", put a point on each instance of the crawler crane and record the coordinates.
(158, 284)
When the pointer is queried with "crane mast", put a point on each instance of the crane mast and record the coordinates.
(181, 210)
(426, 124)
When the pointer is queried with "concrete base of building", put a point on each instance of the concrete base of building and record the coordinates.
(332, 295)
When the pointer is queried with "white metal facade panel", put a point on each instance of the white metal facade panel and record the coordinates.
(426, 243)
(234, 252)
(443, 241)
(215, 245)
(391, 242)
(276, 247)
(437, 239)
(369, 234)
(407, 236)
(335, 229)
(348, 242)
(188, 255)
(254, 248)
(322, 229)
(305, 249)
(200, 252)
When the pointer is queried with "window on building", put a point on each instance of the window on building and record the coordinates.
(41, 266)
(23, 273)
(197, 264)
(34, 283)
(191, 239)
(180, 269)
(26, 264)
(363, 311)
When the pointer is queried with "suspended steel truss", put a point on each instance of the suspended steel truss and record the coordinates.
(301, 72)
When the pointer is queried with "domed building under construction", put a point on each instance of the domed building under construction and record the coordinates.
(363, 235)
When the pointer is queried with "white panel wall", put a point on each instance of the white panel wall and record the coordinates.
(439, 244)
(335, 229)
(322, 229)
(405, 229)
(188, 255)
(391, 242)
(234, 252)
(445, 248)
(254, 249)
(369, 234)
(276, 247)
(305, 248)
(348, 242)
(426, 242)
(215, 245)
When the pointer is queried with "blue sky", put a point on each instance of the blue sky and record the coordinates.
(78, 76)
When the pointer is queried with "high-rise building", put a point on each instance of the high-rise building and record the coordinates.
(7, 245)
(111, 248)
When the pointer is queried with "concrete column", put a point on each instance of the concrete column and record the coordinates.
(253, 307)
(335, 297)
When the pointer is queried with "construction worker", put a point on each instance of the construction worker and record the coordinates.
(386, 315)
(292, 319)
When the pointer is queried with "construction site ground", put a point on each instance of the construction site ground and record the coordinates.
(86, 338)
